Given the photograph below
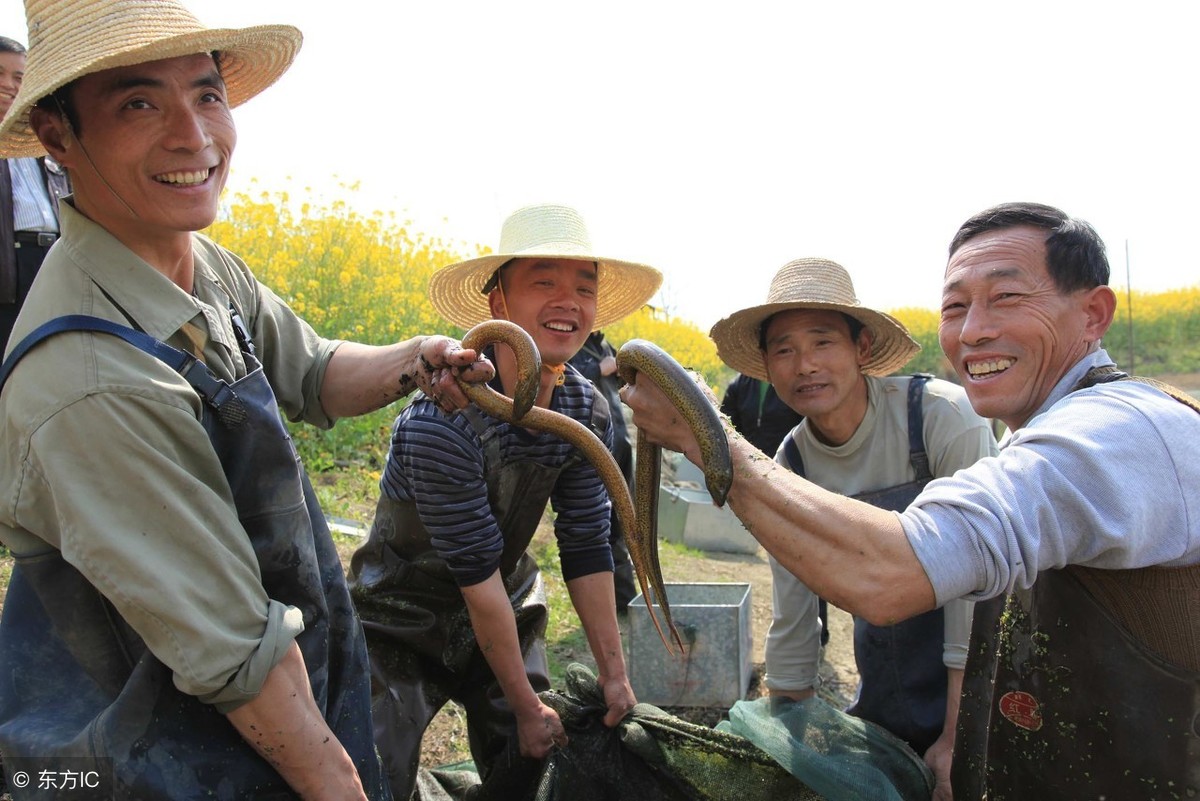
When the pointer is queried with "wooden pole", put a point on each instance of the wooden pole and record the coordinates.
(1129, 304)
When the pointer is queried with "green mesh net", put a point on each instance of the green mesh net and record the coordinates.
(806, 751)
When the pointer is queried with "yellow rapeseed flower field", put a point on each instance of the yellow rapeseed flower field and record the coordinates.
(364, 277)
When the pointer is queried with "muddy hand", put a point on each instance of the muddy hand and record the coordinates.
(445, 365)
(639, 357)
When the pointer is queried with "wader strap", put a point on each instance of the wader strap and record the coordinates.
(917, 456)
(215, 392)
(1109, 373)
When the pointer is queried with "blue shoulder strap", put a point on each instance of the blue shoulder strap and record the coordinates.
(917, 456)
(215, 392)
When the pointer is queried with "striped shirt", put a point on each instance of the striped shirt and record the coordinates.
(437, 462)
(33, 209)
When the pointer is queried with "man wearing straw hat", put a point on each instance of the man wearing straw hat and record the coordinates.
(177, 618)
(451, 599)
(1080, 541)
(879, 439)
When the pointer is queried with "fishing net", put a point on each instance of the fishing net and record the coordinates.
(807, 751)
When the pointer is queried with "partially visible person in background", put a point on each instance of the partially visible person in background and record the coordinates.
(757, 413)
(29, 192)
(597, 361)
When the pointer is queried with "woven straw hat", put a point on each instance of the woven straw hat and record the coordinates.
(69, 39)
(559, 232)
(811, 284)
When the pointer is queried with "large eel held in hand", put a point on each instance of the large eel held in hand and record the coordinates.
(640, 357)
(637, 356)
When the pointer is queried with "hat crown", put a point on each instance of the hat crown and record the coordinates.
(69, 39)
(812, 281)
(550, 229)
(121, 21)
(806, 284)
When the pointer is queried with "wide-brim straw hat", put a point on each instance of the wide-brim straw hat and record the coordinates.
(69, 39)
(548, 231)
(811, 284)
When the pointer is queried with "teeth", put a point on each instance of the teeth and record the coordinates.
(993, 366)
(184, 178)
(560, 327)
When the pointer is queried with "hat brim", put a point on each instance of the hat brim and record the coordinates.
(251, 59)
(622, 287)
(737, 337)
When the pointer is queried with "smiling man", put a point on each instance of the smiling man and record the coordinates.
(177, 611)
(1081, 539)
(451, 600)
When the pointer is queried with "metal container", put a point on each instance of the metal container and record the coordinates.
(714, 621)
(688, 515)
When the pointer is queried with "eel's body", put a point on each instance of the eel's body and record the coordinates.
(636, 356)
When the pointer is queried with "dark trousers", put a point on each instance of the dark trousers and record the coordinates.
(29, 260)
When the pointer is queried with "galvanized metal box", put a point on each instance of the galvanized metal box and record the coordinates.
(687, 515)
(714, 621)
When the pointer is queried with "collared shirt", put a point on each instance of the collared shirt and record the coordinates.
(33, 209)
(1105, 477)
(106, 460)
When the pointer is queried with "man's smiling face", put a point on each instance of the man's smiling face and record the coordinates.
(552, 299)
(12, 72)
(1009, 331)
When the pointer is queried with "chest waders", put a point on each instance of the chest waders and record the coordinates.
(79, 682)
(902, 678)
(422, 646)
(1062, 697)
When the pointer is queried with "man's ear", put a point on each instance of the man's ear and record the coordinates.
(496, 304)
(864, 346)
(55, 135)
(1099, 306)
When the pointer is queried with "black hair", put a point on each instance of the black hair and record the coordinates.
(12, 46)
(1075, 254)
(59, 102)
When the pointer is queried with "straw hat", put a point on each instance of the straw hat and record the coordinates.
(69, 39)
(623, 287)
(811, 284)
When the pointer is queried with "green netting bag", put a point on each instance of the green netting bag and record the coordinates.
(653, 755)
(840, 756)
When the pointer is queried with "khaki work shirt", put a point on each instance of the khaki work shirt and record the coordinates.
(105, 458)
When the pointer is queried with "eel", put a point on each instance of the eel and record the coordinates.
(640, 527)
(639, 356)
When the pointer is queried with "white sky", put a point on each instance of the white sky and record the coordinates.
(717, 141)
